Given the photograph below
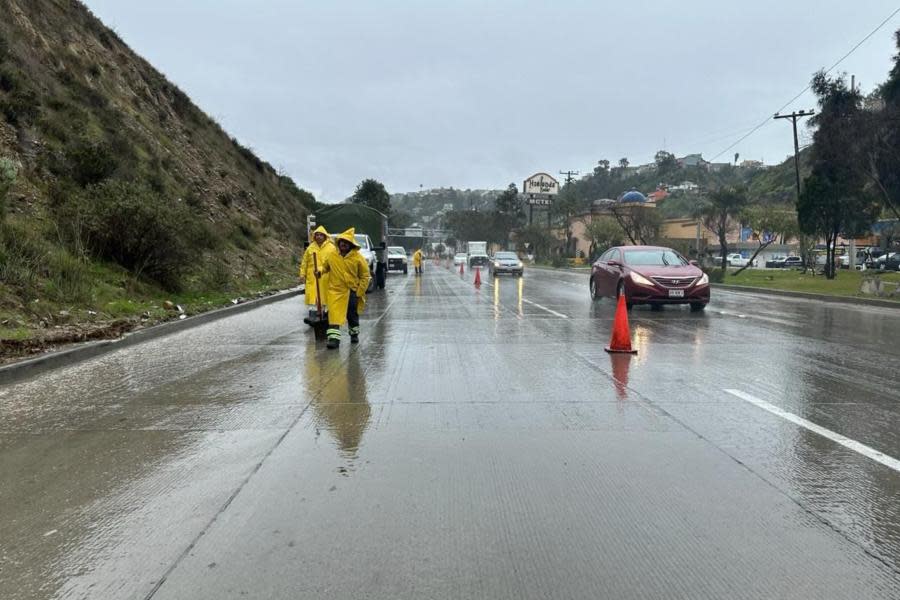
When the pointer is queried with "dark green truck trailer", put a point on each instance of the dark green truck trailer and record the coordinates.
(340, 217)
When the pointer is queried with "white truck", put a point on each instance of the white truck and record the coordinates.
(476, 253)
(736, 260)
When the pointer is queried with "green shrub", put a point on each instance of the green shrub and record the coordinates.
(716, 275)
(68, 278)
(8, 173)
(128, 223)
(23, 257)
(89, 163)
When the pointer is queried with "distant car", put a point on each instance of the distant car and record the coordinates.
(460, 259)
(652, 275)
(505, 262)
(736, 260)
(776, 262)
(397, 260)
(792, 262)
(887, 262)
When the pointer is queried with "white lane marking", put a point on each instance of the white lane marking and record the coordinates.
(859, 447)
(552, 312)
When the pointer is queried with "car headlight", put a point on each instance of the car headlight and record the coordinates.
(640, 279)
(496, 265)
(704, 280)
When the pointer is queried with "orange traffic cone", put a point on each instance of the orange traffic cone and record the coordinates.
(477, 277)
(462, 268)
(621, 334)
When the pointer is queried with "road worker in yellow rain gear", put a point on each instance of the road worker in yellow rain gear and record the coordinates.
(417, 261)
(322, 247)
(348, 279)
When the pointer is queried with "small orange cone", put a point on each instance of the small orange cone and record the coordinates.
(621, 334)
(477, 277)
(462, 268)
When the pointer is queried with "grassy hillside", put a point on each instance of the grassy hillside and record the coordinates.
(125, 193)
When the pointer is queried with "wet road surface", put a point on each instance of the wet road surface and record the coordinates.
(476, 444)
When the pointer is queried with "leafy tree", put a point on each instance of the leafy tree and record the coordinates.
(835, 200)
(538, 240)
(623, 163)
(602, 232)
(768, 224)
(602, 167)
(639, 223)
(371, 193)
(400, 220)
(881, 146)
(719, 213)
(665, 162)
(8, 173)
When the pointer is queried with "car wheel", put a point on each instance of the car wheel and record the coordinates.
(405, 270)
(593, 288)
(697, 306)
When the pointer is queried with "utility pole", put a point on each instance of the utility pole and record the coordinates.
(793, 117)
(570, 177)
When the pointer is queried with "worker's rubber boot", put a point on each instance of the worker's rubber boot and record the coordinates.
(333, 344)
(354, 335)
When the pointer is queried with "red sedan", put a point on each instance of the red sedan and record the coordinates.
(651, 275)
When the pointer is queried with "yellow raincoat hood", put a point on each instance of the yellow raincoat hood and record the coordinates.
(349, 236)
(320, 229)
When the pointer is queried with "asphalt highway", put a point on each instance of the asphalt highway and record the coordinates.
(478, 443)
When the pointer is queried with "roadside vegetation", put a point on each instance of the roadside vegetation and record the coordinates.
(117, 194)
(847, 284)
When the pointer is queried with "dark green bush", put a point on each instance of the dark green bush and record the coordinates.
(128, 223)
(89, 163)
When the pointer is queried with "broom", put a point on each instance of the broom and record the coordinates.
(320, 327)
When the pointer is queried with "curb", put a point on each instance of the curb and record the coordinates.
(809, 296)
(29, 367)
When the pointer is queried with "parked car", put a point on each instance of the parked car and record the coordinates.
(396, 259)
(652, 275)
(887, 262)
(460, 258)
(792, 262)
(736, 260)
(776, 262)
(505, 262)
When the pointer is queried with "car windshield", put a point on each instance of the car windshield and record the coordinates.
(655, 257)
(362, 241)
(396, 250)
(506, 256)
(460, 255)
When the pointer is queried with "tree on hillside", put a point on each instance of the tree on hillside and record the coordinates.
(719, 215)
(601, 233)
(835, 200)
(639, 223)
(371, 193)
(623, 163)
(399, 219)
(665, 162)
(602, 167)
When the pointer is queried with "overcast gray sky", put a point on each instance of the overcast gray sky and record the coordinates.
(476, 94)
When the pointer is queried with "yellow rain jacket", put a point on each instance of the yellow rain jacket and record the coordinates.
(306, 267)
(417, 259)
(346, 274)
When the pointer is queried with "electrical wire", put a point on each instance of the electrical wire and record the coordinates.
(806, 89)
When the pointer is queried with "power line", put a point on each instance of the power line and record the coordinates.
(767, 120)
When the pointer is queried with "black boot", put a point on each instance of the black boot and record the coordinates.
(333, 344)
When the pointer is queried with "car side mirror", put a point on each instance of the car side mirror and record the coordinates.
(694, 263)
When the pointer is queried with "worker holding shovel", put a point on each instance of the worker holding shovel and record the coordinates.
(318, 252)
(348, 279)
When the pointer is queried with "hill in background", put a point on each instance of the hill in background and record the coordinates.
(125, 191)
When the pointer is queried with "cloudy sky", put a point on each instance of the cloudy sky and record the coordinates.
(476, 94)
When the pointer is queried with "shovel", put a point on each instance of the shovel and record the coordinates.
(320, 327)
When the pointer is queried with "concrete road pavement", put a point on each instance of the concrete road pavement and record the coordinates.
(476, 444)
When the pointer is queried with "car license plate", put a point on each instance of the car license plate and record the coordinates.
(676, 293)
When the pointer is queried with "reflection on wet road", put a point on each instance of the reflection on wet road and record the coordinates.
(478, 443)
